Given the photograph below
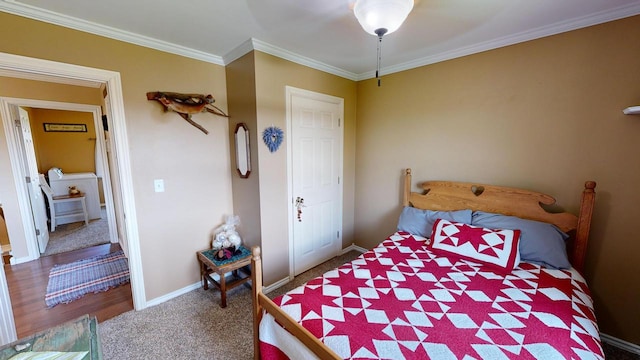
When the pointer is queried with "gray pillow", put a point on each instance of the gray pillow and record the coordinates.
(540, 243)
(420, 222)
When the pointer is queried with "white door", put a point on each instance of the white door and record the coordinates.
(316, 168)
(38, 208)
(112, 159)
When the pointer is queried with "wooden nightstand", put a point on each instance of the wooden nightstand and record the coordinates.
(235, 265)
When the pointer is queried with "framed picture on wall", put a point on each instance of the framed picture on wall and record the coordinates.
(58, 127)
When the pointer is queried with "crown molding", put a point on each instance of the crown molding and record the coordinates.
(238, 52)
(31, 12)
(258, 45)
(13, 7)
(28, 11)
(573, 24)
(302, 60)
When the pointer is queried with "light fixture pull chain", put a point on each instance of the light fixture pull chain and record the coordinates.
(380, 32)
(379, 59)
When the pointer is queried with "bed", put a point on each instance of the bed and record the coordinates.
(474, 271)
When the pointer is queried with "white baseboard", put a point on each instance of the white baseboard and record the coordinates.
(286, 280)
(159, 300)
(624, 345)
(275, 285)
(14, 260)
(353, 247)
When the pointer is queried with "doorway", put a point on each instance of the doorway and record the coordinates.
(44, 70)
(85, 151)
(315, 126)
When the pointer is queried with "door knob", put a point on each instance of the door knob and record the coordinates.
(299, 205)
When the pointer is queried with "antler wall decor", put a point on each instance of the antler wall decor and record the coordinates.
(186, 105)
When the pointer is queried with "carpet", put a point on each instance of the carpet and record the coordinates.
(193, 325)
(72, 281)
(68, 237)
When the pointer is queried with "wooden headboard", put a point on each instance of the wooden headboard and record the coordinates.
(449, 195)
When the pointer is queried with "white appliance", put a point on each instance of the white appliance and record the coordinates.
(85, 182)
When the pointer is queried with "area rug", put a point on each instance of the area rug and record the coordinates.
(72, 281)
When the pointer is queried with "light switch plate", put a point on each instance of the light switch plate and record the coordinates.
(158, 185)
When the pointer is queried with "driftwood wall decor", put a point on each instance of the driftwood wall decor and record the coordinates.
(186, 105)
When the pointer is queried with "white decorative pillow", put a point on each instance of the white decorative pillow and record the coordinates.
(497, 248)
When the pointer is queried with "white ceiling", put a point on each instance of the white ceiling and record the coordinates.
(323, 34)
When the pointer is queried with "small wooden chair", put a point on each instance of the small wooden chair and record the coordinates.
(62, 199)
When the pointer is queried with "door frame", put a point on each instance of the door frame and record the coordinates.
(290, 92)
(14, 144)
(46, 70)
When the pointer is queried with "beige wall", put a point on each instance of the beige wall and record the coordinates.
(195, 167)
(42, 90)
(72, 152)
(544, 115)
(241, 91)
(272, 75)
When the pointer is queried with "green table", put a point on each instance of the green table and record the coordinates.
(80, 334)
(209, 265)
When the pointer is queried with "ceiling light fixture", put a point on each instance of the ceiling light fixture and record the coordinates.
(381, 17)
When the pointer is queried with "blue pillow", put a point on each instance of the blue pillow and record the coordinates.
(540, 243)
(420, 222)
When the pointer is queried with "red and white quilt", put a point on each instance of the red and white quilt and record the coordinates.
(401, 301)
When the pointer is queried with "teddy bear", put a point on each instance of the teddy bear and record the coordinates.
(74, 191)
(226, 239)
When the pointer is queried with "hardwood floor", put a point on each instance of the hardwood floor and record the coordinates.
(28, 284)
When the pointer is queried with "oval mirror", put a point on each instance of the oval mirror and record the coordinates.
(243, 153)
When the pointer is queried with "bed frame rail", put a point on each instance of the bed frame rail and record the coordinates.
(262, 302)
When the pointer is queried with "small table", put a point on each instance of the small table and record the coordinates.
(78, 335)
(209, 265)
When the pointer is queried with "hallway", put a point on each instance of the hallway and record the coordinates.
(28, 284)
(77, 235)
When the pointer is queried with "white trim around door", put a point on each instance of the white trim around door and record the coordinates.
(291, 94)
(45, 70)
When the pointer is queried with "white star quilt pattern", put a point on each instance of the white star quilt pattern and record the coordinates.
(401, 301)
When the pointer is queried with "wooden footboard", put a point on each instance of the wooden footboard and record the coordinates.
(262, 303)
